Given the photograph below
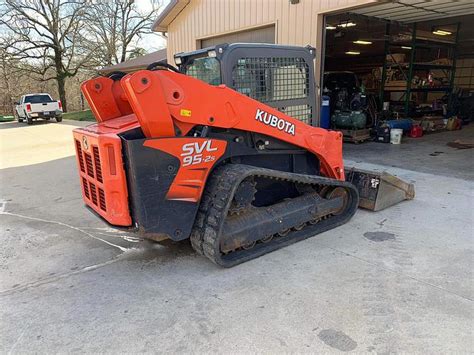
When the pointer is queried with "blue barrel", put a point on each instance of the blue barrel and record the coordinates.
(404, 123)
(325, 120)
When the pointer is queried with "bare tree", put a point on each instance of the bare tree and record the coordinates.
(48, 35)
(16, 78)
(116, 25)
(6, 66)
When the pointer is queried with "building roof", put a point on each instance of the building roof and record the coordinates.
(168, 15)
(136, 63)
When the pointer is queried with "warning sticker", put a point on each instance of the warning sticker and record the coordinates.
(185, 113)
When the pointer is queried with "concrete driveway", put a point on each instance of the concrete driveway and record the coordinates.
(399, 280)
(22, 145)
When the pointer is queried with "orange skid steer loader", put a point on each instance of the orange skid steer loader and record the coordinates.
(176, 157)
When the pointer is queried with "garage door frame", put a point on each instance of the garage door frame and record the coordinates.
(244, 29)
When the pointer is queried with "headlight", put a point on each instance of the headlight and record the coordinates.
(177, 60)
(212, 54)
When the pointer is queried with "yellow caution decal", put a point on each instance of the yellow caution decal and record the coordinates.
(185, 113)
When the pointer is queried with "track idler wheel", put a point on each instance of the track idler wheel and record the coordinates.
(339, 192)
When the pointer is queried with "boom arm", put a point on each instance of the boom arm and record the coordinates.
(165, 102)
(162, 100)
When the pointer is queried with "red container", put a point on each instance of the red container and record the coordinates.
(416, 132)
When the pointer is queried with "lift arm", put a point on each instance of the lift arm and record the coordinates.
(164, 101)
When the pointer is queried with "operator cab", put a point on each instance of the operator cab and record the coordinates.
(276, 75)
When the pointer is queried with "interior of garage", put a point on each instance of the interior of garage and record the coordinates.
(391, 70)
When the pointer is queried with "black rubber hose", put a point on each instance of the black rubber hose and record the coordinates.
(116, 75)
(162, 64)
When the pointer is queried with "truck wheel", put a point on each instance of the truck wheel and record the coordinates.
(59, 118)
(29, 120)
(17, 116)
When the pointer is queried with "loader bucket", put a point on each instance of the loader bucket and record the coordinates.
(379, 190)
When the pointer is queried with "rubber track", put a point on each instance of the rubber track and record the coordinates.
(218, 196)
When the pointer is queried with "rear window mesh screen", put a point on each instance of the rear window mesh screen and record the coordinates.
(300, 112)
(270, 80)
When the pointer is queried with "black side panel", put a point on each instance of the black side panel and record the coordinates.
(290, 161)
(150, 173)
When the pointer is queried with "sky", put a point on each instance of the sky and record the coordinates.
(154, 41)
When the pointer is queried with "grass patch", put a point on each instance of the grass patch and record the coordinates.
(79, 116)
(7, 118)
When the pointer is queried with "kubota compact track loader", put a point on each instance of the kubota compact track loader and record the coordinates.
(241, 172)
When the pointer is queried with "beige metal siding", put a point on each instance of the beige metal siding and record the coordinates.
(299, 24)
(259, 35)
(295, 24)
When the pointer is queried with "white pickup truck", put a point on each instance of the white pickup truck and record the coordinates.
(33, 106)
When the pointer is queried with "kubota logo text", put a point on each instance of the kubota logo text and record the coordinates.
(198, 152)
(274, 121)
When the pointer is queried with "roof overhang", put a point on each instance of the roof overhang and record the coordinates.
(408, 11)
(168, 15)
(135, 63)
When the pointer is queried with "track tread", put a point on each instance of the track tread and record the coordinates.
(217, 198)
(208, 198)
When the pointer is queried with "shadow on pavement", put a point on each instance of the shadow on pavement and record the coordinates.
(16, 124)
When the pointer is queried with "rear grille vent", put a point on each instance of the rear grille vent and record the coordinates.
(79, 156)
(98, 168)
(91, 176)
(89, 166)
(85, 187)
(93, 193)
(102, 200)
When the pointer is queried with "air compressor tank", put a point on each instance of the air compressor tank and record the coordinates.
(348, 119)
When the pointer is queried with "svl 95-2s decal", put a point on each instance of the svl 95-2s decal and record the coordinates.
(197, 156)
(198, 152)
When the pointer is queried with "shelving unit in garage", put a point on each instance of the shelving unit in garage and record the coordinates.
(413, 69)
